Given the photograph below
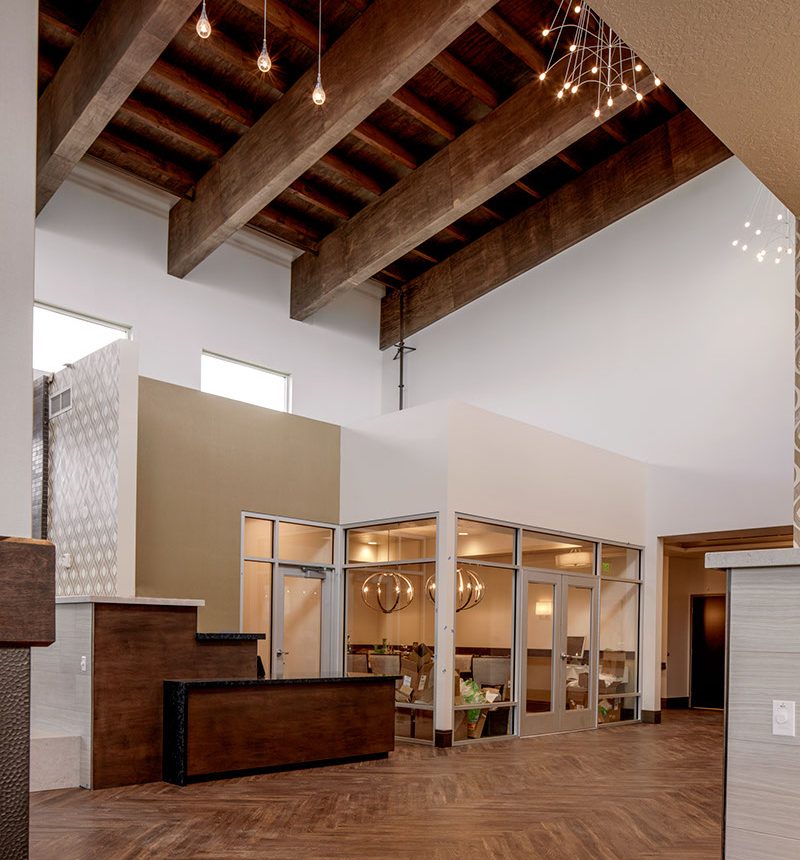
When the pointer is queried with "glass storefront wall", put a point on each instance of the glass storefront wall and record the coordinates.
(618, 677)
(285, 571)
(390, 615)
(485, 602)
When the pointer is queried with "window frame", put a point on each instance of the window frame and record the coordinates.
(284, 375)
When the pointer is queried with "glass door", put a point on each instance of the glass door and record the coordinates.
(578, 681)
(558, 630)
(540, 605)
(300, 621)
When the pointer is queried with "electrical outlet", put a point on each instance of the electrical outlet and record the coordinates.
(83, 663)
(782, 717)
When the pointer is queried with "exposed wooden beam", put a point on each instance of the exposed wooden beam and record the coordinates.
(508, 36)
(663, 159)
(466, 78)
(403, 35)
(523, 133)
(119, 44)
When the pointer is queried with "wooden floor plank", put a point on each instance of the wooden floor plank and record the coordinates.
(641, 792)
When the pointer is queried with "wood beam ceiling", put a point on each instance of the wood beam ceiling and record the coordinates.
(120, 43)
(521, 134)
(663, 159)
(403, 35)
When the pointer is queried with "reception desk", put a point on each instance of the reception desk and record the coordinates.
(221, 728)
(101, 681)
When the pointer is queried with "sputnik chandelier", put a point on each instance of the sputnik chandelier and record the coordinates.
(387, 591)
(471, 589)
(264, 61)
(768, 231)
(587, 52)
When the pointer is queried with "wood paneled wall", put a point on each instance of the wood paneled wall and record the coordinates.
(763, 776)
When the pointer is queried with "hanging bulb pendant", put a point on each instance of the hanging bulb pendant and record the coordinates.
(264, 61)
(318, 95)
(203, 24)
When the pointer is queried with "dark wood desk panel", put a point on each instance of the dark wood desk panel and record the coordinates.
(215, 728)
(27, 592)
(135, 648)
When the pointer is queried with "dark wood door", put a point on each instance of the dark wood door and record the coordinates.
(708, 651)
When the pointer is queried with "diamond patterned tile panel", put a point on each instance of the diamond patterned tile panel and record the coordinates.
(84, 476)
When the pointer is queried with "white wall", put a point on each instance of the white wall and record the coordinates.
(508, 470)
(99, 254)
(654, 339)
(18, 41)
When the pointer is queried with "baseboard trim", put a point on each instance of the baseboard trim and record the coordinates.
(651, 717)
(675, 703)
(443, 738)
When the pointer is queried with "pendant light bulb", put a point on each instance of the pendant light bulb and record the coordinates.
(264, 62)
(318, 96)
(203, 24)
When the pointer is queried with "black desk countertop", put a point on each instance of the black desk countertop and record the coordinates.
(222, 637)
(176, 684)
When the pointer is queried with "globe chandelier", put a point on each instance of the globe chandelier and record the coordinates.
(387, 591)
(470, 590)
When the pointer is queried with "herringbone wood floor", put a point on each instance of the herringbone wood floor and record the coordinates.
(620, 793)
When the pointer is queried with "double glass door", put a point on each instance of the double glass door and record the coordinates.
(559, 648)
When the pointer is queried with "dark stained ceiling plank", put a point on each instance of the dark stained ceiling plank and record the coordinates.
(521, 134)
(665, 158)
(403, 35)
(119, 44)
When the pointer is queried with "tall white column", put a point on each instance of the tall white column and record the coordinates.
(445, 627)
(18, 53)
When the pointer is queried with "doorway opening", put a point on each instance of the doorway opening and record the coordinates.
(694, 613)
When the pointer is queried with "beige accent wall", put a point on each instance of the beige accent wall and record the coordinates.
(202, 461)
(687, 576)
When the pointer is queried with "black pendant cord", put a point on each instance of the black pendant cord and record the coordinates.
(402, 349)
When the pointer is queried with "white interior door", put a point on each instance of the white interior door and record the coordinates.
(301, 619)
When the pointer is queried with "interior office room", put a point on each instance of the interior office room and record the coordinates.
(398, 424)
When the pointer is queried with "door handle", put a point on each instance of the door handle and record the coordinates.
(564, 656)
(281, 653)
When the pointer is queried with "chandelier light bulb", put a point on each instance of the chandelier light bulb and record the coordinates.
(264, 62)
(744, 247)
(746, 223)
(624, 87)
(735, 242)
(657, 81)
(594, 70)
(573, 48)
(780, 249)
(542, 76)
(203, 24)
(610, 102)
(638, 67)
(577, 9)
(780, 217)
(777, 259)
(545, 32)
(597, 112)
(639, 97)
(560, 94)
(758, 232)
(567, 85)
(574, 89)
(318, 95)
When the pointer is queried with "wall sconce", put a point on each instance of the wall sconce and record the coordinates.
(543, 607)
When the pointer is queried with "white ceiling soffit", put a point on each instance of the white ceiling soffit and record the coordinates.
(736, 64)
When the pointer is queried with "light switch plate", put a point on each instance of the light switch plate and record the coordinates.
(783, 717)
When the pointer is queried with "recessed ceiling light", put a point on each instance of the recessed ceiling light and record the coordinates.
(372, 542)
(463, 534)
